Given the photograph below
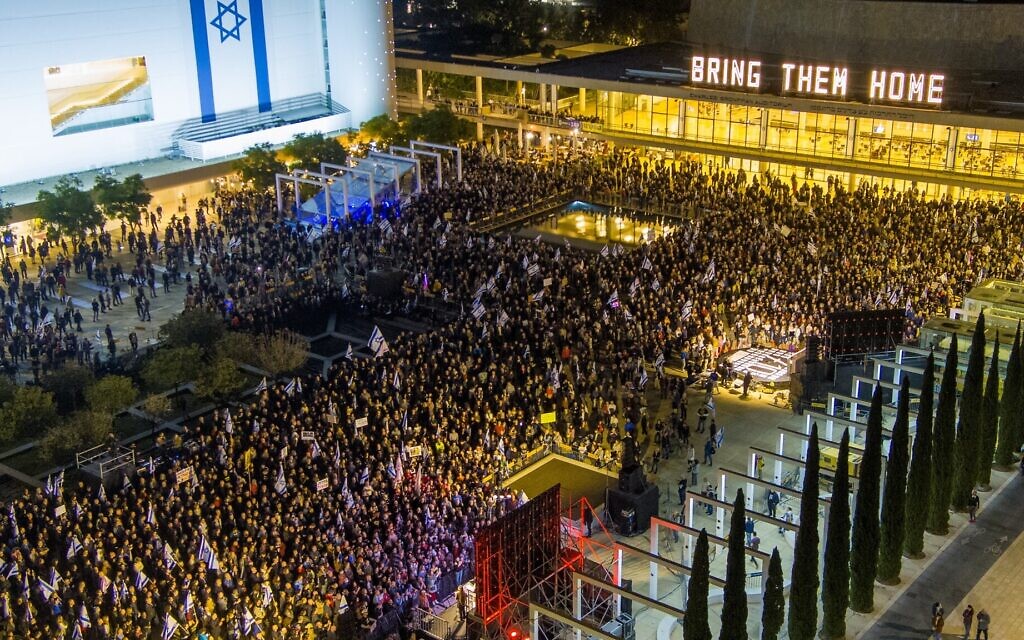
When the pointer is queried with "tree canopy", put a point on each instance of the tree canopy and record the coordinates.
(125, 199)
(308, 150)
(68, 210)
(259, 165)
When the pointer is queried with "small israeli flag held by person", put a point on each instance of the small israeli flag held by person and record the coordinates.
(377, 343)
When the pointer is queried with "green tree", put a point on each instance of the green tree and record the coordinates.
(259, 165)
(157, 406)
(79, 431)
(135, 198)
(383, 130)
(864, 542)
(835, 581)
(695, 624)
(111, 394)
(122, 199)
(1010, 406)
(220, 380)
(171, 367)
(68, 386)
(942, 446)
(965, 451)
(989, 421)
(281, 352)
(308, 150)
(68, 210)
(29, 413)
(803, 592)
(919, 481)
(439, 125)
(734, 605)
(894, 495)
(773, 609)
(196, 327)
(7, 390)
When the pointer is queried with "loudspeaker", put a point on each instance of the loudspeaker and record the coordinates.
(631, 479)
(860, 332)
(385, 283)
(813, 349)
(631, 512)
(627, 603)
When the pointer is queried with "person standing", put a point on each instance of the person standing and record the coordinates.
(937, 623)
(787, 518)
(972, 504)
(983, 621)
(588, 520)
(682, 490)
(694, 470)
(709, 451)
(773, 503)
(748, 529)
(968, 617)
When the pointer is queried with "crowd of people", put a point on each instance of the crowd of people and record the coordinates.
(329, 503)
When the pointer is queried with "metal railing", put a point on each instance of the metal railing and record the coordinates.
(106, 458)
(429, 625)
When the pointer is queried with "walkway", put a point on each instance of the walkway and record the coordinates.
(980, 563)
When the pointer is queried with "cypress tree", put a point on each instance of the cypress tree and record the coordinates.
(942, 447)
(773, 609)
(835, 581)
(734, 605)
(1010, 407)
(919, 482)
(803, 592)
(989, 422)
(1018, 441)
(965, 452)
(864, 546)
(695, 623)
(894, 494)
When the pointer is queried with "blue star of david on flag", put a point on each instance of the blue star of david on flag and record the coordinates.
(229, 11)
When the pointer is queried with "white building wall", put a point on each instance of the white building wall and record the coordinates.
(45, 33)
(362, 56)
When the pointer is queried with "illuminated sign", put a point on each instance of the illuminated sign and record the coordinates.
(726, 72)
(819, 80)
(906, 87)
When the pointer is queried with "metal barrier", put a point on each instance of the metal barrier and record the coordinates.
(429, 625)
(115, 459)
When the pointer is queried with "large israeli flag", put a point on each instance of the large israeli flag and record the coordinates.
(231, 55)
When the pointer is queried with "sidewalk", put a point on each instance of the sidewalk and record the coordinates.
(975, 567)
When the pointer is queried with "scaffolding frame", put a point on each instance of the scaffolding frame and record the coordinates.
(302, 176)
(413, 153)
(444, 147)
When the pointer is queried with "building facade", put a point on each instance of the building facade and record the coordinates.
(817, 120)
(95, 83)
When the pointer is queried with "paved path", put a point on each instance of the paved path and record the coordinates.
(964, 563)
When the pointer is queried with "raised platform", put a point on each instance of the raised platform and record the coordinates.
(578, 480)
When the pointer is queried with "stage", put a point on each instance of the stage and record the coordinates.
(577, 480)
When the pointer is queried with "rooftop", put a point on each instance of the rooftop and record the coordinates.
(991, 93)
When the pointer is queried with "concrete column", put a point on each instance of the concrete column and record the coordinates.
(480, 131)
(519, 92)
(543, 96)
(497, 143)
(583, 101)
(546, 136)
(554, 98)
(419, 86)
(519, 134)
(480, 95)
